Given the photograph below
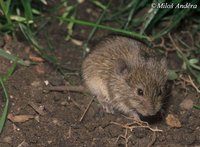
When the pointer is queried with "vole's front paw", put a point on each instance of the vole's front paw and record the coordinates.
(108, 108)
(106, 104)
(134, 115)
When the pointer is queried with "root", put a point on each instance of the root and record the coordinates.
(137, 124)
(125, 137)
(132, 126)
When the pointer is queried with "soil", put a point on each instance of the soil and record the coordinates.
(56, 117)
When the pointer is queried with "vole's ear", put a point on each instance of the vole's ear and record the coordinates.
(121, 67)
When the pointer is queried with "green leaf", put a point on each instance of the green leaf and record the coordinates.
(175, 19)
(99, 4)
(5, 5)
(196, 107)
(28, 10)
(172, 75)
(93, 24)
(193, 61)
(35, 11)
(13, 58)
(198, 79)
(134, 5)
(5, 110)
(152, 13)
(44, 2)
(10, 71)
(19, 19)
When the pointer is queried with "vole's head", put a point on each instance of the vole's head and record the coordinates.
(145, 79)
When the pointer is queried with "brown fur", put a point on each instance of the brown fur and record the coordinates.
(117, 68)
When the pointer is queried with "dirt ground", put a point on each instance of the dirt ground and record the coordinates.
(56, 115)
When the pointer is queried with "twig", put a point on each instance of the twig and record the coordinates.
(79, 88)
(190, 82)
(75, 103)
(86, 109)
(39, 109)
(69, 132)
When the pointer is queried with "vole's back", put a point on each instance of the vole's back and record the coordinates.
(102, 58)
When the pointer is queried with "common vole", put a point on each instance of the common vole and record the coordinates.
(126, 75)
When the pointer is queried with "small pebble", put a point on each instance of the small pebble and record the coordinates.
(46, 82)
(173, 121)
(187, 104)
(64, 103)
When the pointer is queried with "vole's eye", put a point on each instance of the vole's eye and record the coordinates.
(140, 92)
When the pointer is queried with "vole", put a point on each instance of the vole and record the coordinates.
(126, 76)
